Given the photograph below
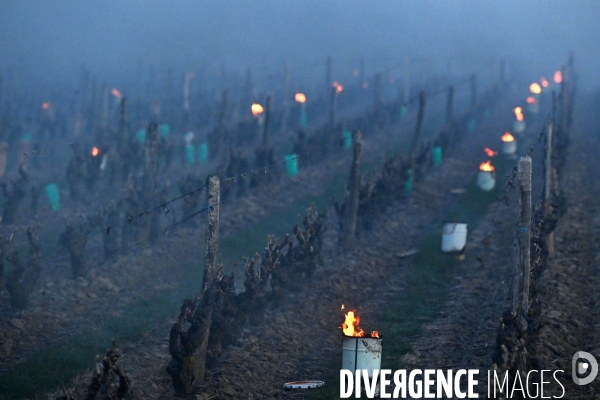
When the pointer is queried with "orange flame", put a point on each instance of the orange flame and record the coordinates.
(535, 88)
(115, 92)
(519, 113)
(490, 152)
(256, 108)
(365, 85)
(544, 82)
(95, 151)
(337, 86)
(558, 77)
(355, 72)
(300, 97)
(487, 166)
(507, 137)
(531, 100)
(350, 326)
(45, 106)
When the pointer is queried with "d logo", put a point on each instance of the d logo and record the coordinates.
(580, 368)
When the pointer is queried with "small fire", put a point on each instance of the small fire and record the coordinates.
(490, 152)
(365, 85)
(350, 326)
(256, 108)
(300, 97)
(355, 72)
(544, 82)
(190, 75)
(535, 88)
(558, 77)
(45, 106)
(95, 151)
(519, 113)
(115, 92)
(338, 87)
(507, 137)
(531, 100)
(487, 166)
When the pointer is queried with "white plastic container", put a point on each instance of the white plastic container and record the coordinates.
(361, 353)
(454, 237)
(509, 148)
(519, 126)
(486, 180)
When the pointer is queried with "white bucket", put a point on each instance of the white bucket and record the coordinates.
(361, 353)
(509, 148)
(519, 126)
(486, 181)
(454, 237)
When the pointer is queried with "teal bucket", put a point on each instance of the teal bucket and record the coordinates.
(203, 153)
(141, 135)
(291, 164)
(409, 183)
(436, 156)
(163, 130)
(189, 154)
(471, 125)
(403, 111)
(303, 118)
(27, 137)
(53, 195)
(347, 139)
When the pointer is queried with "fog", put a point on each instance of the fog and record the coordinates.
(49, 40)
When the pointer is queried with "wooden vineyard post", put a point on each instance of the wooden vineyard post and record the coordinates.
(450, 105)
(417, 137)
(265, 139)
(548, 185)
(328, 75)
(377, 88)
(354, 191)
(406, 86)
(523, 259)
(285, 103)
(473, 90)
(213, 187)
(150, 172)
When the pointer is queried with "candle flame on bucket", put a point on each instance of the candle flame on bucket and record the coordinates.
(558, 77)
(256, 109)
(507, 137)
(350, 326)
(487, 166)
(519, 113)
(490, 152)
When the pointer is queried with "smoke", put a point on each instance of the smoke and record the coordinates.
(50, 40)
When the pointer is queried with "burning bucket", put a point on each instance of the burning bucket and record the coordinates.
(359, 351)
(509, 144)
(486, 179)
(454, 237)
(533, 105)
